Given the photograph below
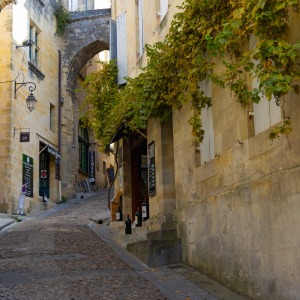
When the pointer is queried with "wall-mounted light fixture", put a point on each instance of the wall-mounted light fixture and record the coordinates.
(30, 101)
(26, 43)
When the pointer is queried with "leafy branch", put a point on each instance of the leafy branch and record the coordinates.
(249, 38)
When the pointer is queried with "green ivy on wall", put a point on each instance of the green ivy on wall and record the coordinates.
(203, 34)
(62, 16)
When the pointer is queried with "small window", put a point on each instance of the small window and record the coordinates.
(83, 141)
(52, 109)
(34, 48)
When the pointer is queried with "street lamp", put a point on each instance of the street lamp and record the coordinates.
(30, 101)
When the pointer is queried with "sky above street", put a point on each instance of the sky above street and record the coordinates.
(102, 4)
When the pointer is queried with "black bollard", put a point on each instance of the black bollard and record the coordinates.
(128, 229)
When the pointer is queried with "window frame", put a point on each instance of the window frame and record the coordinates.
(34, 47)
(83, 148)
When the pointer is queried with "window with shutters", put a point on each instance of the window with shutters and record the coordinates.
(266, 113)
(121, 48)
(207, 147)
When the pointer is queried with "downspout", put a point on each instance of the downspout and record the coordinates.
(59, 126)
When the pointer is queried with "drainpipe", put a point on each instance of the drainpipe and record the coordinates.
(59, 125)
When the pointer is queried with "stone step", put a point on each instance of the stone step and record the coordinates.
(157, 252)
(162, 234)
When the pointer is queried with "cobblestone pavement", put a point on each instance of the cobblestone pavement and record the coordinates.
(61, 254)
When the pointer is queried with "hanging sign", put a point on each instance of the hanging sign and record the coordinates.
(151, 169)
(24, 137)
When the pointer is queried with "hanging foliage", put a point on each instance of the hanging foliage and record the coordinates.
(62, 16)
(248, 37)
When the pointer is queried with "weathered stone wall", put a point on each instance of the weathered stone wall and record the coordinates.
(5, 106)
(14, 116)
(238, 213)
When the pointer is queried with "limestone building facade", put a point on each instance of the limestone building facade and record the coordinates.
(46, 148)
(233, 201)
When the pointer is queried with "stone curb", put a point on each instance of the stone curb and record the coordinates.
(4, 223)
(172, 285)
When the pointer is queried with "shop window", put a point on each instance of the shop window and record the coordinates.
(83, 141)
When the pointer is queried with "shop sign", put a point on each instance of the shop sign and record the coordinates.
(24, 137)
(53, 152)
(151, 169)
(92, 166)
(27, 175)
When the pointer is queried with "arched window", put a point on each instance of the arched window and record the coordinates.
(83, 141)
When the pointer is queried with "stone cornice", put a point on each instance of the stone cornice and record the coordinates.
(3, 3)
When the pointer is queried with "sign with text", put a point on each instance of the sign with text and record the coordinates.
(24, 137)
(92, 166)
(151, 169)
(53, 152)
(27, 175)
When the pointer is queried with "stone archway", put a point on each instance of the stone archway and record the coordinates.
(85, 36)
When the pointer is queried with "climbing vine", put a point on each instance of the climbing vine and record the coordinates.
(62, 16)
(248, 37)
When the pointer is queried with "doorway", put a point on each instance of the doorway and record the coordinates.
(139, 172)
(44, 172)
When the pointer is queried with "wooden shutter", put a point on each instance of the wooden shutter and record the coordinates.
(207, 147)
(113, 39)
(164, 6)
(121, 48)
(141, 28)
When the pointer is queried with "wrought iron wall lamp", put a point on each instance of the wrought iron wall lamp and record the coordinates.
(30, 101)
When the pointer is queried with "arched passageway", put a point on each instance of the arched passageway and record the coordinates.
(85, 36)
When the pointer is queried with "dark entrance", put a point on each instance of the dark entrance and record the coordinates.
(139, 171)
(44, 171)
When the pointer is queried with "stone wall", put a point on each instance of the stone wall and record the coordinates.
(238, 214)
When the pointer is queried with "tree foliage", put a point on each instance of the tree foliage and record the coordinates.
(249, 38)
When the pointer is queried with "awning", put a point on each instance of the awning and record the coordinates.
(121, 132)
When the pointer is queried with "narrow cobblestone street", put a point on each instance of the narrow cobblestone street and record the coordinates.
(60, 257)
(56, 254)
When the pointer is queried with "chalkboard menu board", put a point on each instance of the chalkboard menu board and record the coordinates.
(27, 175)
(151, 168)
